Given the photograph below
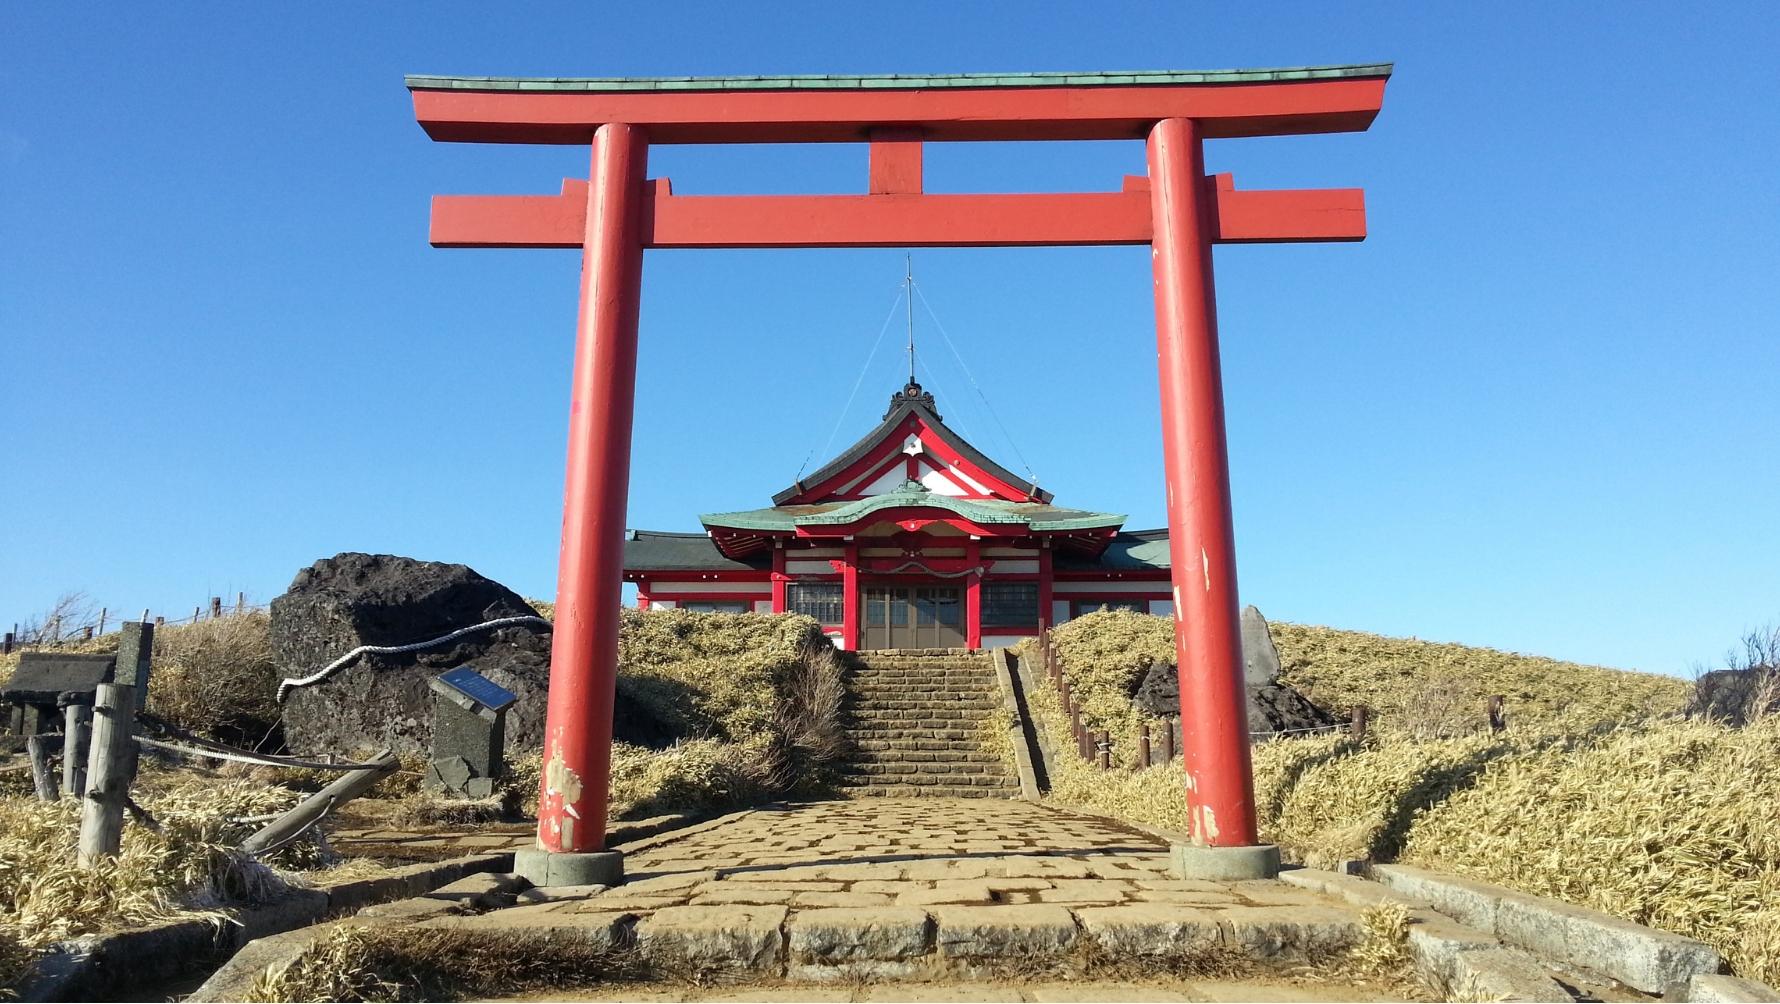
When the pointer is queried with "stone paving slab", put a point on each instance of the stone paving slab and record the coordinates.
(925, 889)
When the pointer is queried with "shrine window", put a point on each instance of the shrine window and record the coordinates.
(717, 606)
(1095, 606)
(1010, 604)
(821, 600)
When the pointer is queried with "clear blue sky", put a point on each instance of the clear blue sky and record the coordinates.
(1536, 409)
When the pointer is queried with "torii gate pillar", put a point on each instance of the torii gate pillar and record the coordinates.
(616, 213)
(572, 801)
(1201, 539)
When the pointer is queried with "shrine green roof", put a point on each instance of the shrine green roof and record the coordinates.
(1033, 515)
(895, 81)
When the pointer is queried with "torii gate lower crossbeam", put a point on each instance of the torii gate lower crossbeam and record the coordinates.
(617, 213)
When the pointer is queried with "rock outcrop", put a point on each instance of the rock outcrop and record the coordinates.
(1272, 705)
(354, 599)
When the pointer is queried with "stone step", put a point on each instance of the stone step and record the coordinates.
(904, 791)
(981, 782)
(875, 732)
(938, 758)
(878, 744)
(918, 704)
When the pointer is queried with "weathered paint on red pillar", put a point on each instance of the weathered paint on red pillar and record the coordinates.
(584, 652)
(1202, 551)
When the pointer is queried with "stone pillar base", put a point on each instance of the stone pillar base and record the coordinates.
(544, 869)
(1224, 864)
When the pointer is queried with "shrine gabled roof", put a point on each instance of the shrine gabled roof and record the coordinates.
(658, 550)
(1129, 550)
(895, 81)
(1034, 516)
(911, 401)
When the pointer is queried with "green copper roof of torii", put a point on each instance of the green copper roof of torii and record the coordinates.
(1033, 515)
(895, 81)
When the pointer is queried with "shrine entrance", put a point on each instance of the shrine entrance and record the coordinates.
(904, 616)
(617, 212)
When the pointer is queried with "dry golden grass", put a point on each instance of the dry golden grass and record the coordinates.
(1393, 676)
(1673, 825)
(1597, 795)
(189, 868)
(406, 964)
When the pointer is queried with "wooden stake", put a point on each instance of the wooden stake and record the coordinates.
(77, 732)
(111, 766)
(135, 652)
(1143, 746)
(215, 607)
(1498, 717)
(348, 787)
(1167, 741)
(42, 777)
(1360, 716)
(7, 648)
(102, 612)
(1104, 744)
(240, 602)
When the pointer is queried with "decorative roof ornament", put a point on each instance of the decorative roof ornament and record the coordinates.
(912, 392)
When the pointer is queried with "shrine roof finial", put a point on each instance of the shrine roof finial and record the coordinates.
(912, 392)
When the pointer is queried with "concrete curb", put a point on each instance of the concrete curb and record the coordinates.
(90, 967)
(1010, 699)
(1644, 958)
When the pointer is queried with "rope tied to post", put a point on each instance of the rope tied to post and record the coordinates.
(337, 665)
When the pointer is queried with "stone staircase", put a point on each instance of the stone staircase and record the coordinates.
(915, 718)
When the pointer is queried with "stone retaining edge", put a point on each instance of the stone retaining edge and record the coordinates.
(1457, 961)
(1000, 658)
(85, 968)
(1644, 958)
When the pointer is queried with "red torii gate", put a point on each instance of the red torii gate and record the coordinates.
(618, 212)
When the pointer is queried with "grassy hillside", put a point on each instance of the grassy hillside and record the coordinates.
(1598, 793)
(1428, 689)
(1421, 683)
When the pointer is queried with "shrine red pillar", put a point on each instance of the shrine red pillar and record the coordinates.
(850, 599)
(1202, 552)
(584, 650)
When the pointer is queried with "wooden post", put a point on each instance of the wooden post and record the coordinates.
(160, 621)
(86, 633)
(1360, 717)
(1143, 746)
(197, 613)
(1167, 742)
(135, 652)
(6, 647)
(348, 787)
(240, 602)
(111, 766)
(1103, 743)
(1498, 717)
(215, 607)
(77, 731)
(42, 777)
(101, 620)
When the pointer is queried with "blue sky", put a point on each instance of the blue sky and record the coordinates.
(1536, 409)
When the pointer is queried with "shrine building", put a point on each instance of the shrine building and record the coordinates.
(911, 538)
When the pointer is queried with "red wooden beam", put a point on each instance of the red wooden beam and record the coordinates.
(789, 221)
(846, 116)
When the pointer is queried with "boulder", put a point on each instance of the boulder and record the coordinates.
(354, 599)
(1735, 696)
(1272, 706)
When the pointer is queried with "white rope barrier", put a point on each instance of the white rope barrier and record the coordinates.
(253, 758)
(331, 668)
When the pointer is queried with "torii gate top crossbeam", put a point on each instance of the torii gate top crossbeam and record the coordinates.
(844, 109)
